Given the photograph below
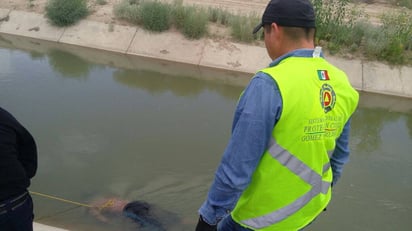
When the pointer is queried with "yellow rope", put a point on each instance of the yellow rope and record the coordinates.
(108, 204)
(61, 199)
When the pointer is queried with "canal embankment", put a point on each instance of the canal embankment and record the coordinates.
(171, 46)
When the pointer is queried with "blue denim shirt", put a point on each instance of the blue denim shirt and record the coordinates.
(257, 112)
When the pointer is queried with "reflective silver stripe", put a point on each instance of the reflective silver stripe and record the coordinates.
(326, 167)
(291, 162)
(294, 164)
(305, 173)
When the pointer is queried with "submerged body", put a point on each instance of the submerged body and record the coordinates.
(145, 215)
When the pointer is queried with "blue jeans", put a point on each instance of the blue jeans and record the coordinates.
(228, 224)
(19, 218)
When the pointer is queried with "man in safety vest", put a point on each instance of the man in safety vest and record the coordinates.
(290, 133)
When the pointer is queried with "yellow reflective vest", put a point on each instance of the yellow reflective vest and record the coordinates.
(292, 182)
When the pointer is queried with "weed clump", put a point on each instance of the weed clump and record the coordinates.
(66, 13)
(342, 28)
(195, 24)
(128, 10)
(391, 41)
(190, 20)
(155, 16)
(242, 27)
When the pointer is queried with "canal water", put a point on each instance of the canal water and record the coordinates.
(107, 125)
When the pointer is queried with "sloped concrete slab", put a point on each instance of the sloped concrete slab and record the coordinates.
(234, 56)
(170, 46)
(41, 227)
(32, 45)
(383, 79)
(112, 38)
(97, 56)
(167, 67)
(387, 102)
(406, 81)
(352, 68)
(233, 78)
(30, 25)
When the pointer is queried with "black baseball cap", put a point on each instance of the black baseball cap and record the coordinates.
(288, 13)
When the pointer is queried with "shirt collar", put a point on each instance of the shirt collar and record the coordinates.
(295, 53)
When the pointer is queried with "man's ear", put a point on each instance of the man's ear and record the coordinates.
(275, 28)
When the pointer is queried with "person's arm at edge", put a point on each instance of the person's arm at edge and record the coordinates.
(341, 153)
(257, 112)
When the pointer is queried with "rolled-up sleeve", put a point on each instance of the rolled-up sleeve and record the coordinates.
(341, 153)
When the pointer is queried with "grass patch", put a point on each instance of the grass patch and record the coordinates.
(337, 23)
(342, 29)
(179, 14)
(128, 10)
(191, 21)
(195, 23)
(155, 15)
(242, 27)
(218, 15)
(393, 39)
(64, 12)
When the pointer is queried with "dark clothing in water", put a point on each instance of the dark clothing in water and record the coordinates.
(149, 217)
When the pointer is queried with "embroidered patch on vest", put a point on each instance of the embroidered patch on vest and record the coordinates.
(323, 75)
(327, 97)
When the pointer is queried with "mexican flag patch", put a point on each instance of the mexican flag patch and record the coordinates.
(323, 75)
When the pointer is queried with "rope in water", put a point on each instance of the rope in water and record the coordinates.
(109, 203)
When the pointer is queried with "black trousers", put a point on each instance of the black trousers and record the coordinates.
(16, 214)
